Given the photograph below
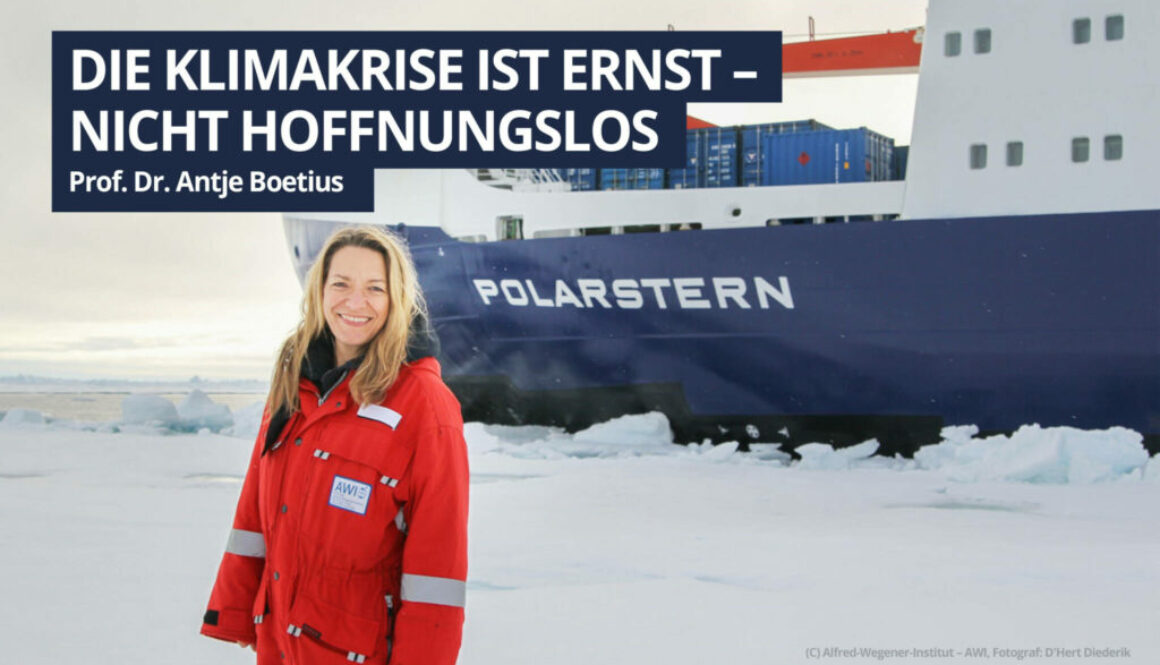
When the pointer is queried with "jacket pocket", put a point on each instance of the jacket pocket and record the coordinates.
(324, 631)
(351, 506)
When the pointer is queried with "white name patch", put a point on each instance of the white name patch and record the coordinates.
(388, 417)
(350, 495)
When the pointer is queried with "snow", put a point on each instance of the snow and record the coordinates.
(585, 552)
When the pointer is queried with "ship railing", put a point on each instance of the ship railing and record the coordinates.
(540, 180)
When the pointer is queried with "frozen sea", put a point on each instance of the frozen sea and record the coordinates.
(614, 546)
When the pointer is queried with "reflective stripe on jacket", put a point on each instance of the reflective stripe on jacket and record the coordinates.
(350, 539)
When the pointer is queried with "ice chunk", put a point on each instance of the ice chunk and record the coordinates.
(197, 411)
(822, 456)
(247, 421)
(627, 436)
(818, 456)
(22, 418)
(707, 451)
(144, 409)
(769, 452)
(646, 430)
(1101, 456)
(1152, 470)
(1038, 455)
(480, 439)
(959, 433)
(721, 451)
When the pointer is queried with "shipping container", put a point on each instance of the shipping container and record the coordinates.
(777, 153)
(692, 174)
(614, 179)
(720, 150)
(826, 156)
(632, 179)
(901, 153)
(582, 180)
(647, 178)
(752, 145)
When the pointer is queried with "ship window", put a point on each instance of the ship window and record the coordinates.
(1079, 149)
(596, 231)
(1114, 27)
(979, 156)
(510, 227)
(643, 228)
(1081, 30)
(555, 233)
(954, 43)
(983, 40)
(1014, 153)
(1113, 147)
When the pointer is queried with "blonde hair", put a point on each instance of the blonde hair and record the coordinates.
(386, 352)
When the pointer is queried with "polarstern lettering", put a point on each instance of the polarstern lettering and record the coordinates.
(661, 292)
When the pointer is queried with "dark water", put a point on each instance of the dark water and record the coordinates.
(101, 407)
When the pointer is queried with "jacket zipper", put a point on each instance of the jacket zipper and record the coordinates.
(390, 625)
(316, 635)
(338, 383)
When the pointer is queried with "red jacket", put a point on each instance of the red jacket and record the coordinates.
(350, 538)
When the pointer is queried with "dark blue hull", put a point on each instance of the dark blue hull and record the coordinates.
(888, 329)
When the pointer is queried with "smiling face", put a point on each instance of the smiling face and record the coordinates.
(355, 300)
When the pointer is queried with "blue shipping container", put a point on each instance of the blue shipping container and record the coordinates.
(647, 178)
(632, 178)
(720, 156)
(691, 175)
(826, 156)
(582, 180)
(752, 145)
(614, 179)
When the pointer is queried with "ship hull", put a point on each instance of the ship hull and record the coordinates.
(835, 332)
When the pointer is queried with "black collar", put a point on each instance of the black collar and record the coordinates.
(318, 367)
(319, 364)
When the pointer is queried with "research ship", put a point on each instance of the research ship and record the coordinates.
(1010, 276)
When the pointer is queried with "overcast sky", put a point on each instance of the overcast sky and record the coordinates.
(173, 295)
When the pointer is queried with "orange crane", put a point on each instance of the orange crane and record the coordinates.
(887, 53)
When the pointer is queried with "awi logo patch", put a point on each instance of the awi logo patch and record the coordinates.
(350, 495)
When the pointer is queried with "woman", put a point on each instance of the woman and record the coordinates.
(350, 538)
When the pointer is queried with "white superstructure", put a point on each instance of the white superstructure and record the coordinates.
(1010, 98)
(1042, 74)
